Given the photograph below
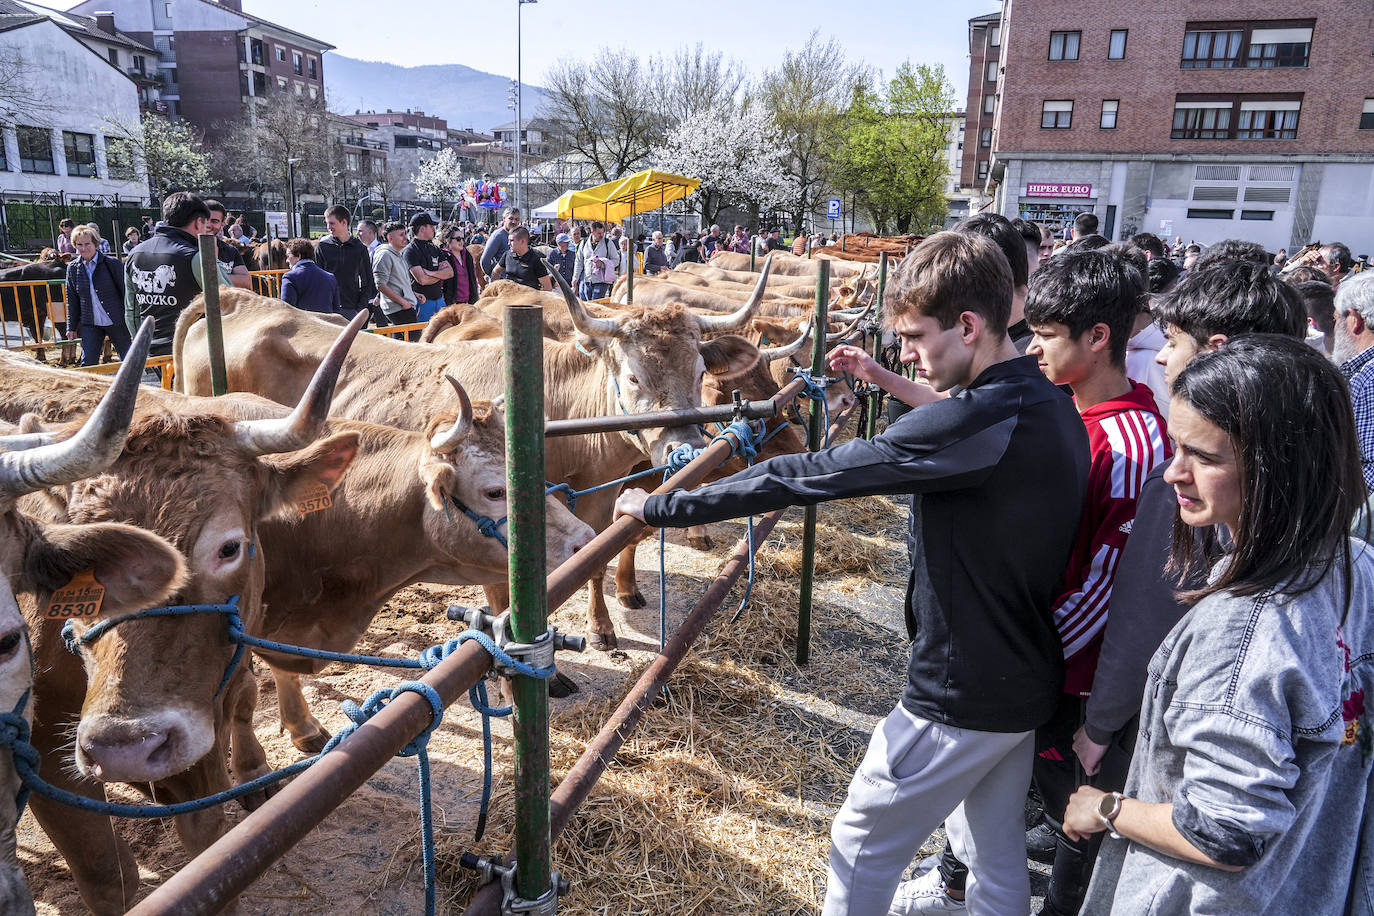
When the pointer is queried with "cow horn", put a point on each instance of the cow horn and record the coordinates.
(842, 335)
(737, 319)
(582, 320)
(269, 437)
(448, 439)
(32, 462)
(786, 350)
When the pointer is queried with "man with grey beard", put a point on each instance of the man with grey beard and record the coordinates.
(1354, 353)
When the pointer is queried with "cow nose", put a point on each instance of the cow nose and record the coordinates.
(119, 757)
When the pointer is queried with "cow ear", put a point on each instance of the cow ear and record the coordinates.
(137, 568)
(729, 355)
(297, 479)
(439, 477)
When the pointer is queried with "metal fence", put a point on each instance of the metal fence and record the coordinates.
(28, 222)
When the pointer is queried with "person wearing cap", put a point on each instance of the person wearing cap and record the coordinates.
(427, 265)
(563, 257)
(655, 255)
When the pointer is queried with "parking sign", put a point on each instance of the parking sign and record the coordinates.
(832, 208)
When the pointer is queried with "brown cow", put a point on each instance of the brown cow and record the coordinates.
(266, 255)
(135, 568)
(640, 360)
(205, 483)
(790, 265)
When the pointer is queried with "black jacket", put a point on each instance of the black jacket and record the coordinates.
(161, 280)
(351, 264)
(451, 284)
(998, 475)
(109, 286)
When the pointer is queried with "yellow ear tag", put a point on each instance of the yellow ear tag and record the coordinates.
(80, 597)
(315, 499)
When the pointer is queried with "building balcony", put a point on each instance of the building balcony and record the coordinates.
(157, 105)
(361, 142)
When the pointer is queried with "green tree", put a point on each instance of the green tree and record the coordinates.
(892, 148)
(172, 153)
(806, 97)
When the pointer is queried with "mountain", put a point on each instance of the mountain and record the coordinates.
(460, 95)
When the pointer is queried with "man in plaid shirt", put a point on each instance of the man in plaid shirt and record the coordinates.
(1354, 353)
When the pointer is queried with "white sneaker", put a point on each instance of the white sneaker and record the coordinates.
(925, 894)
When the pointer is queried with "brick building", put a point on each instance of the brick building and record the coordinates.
(1229, 119)
(984, 50)
(231, 57)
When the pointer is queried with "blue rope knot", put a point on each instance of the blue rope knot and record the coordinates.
(14, 736)
(815, 385)
(374, 704)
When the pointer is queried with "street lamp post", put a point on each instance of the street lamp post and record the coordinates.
(291, 197)
(519, 114)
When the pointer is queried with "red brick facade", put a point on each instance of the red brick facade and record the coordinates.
(1333, 86)
(977, 118)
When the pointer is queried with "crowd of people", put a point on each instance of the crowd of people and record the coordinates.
(1133, 586)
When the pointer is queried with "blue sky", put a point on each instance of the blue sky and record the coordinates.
(481, 33)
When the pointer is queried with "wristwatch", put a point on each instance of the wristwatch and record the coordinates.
(1108, 807)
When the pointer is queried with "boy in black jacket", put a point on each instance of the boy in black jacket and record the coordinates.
(997, 476)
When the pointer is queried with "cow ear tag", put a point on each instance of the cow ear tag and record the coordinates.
(316, 498)
(80, 597)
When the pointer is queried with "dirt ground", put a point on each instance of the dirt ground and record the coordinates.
(778, 793)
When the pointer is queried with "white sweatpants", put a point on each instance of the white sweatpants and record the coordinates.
(916, 774)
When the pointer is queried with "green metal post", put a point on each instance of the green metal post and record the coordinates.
(814, 437)
(524, 346)
(875, 346)
(214, 334)
(630, 265)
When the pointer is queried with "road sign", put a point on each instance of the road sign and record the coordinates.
(833, 208)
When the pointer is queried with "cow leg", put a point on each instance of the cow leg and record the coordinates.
(247, 759)
(698, 537)
(626, 587)
(307, 734)
(199, 829)
(597, 509)
(101, 863)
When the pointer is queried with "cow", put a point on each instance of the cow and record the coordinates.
(29, 306)
(205, 483)
(639, 360)
(652, 291)
(789, 265)
(266, 255)
(135, 568)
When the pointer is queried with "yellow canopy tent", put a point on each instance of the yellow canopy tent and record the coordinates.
(626, 197)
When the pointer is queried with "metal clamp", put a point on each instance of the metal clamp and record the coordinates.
(491, 868)
(537, 654)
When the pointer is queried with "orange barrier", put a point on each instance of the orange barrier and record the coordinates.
(154, 362)
(31, 307)
(267, 282)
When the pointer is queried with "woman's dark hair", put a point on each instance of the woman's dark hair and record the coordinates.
(1299, 460)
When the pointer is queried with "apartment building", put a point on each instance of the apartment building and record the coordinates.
(406, 139)
(984, 53)
(230, 57)
(1228, 119)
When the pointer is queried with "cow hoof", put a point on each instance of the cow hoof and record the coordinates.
(701, 541)
(603, 641)
(312, 744)
(632, 600)
(560, 686)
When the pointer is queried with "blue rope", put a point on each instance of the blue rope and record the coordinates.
(815, 390)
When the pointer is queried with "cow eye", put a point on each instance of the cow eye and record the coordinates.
(496, 494)
(9, 643)
(230, 549)
(634, 380)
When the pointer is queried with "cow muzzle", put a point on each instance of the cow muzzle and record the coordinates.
(146, 749)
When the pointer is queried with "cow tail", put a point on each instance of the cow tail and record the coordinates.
(189, 316)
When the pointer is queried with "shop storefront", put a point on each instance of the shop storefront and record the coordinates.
(1056, 205)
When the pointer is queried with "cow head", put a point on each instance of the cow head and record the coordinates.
(203, 482)
(137, 568)
(467, 460)
(654, 359)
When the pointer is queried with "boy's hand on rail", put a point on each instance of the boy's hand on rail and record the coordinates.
(631, 503)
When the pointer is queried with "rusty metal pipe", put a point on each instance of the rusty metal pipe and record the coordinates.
(211, 880)
(577, 426)
(581, 779)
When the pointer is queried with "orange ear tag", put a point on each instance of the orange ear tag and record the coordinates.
(315, 499)
(80, 597)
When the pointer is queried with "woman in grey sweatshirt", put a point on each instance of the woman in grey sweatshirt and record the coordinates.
(1252, 770)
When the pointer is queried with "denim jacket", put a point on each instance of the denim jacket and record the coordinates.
(1255, 727)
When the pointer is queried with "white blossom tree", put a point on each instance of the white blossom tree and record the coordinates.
(439, 178)
(737, 157)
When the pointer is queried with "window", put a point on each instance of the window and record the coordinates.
(299, 88)
(1056, 115)
(378, 165)
(35, 150)
(167, 10)
(1109, 107)
(1064, 45)
(1268, 121)
(1211, 214)
(1257, 214)
(255, 52)
(991, 73)
(4, 159)
(995, 36)
(351, 161)
(140, 64)
(314, 94)
(172, 75)
(312, 66)
(1201, 121)
(259, 84)
(1116, 45)
(296, 62)
(244, 88)
(119, 159)
(162, 42)
(405, 142)
(80, 150)
(985, 140)
(1265, 45)
(113, 54)
(982, 169)
(281, 83)
(281, 53)
(1367, 115)
(989, 104)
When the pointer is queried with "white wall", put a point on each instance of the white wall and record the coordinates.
(1345, 207)
(85, 94)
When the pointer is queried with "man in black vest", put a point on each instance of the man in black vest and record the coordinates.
(163, 273)
(348, 259)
